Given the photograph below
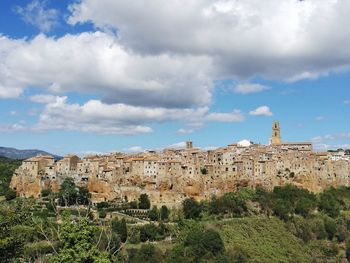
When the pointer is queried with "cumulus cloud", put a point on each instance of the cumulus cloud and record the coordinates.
(261, 111)
(97, 63)
(178, 145)
(94, 116)
(247, 88)
(43, 98)
(330, 137)
(288, 40)
(37, 14)
(185, 130)
(235, 116)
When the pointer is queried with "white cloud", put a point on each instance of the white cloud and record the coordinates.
(288, 40)
(185, 130)
(134, 149)
(249, 88)
(234, 116)
(179, 145)
(36, 14)
(261, 111)
(43, 98)
(329, 137)
(97, 63)
(94, 116)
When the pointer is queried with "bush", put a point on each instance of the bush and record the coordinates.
(148, 233)
(46, 192)
(102, 214)
(164, 213)
(144, 202)
(120, 228)
(153, 214)
(191, 208)
(102, 205)
(10, 194)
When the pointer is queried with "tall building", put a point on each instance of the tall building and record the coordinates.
(276, 134)
(189, 145)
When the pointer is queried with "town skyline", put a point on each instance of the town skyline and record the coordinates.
(73, 81)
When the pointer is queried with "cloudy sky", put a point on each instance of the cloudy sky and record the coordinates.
(106, 75)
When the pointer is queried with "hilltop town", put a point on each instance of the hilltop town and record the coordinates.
(172, 175)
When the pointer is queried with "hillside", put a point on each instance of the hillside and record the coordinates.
(17, 154)
(262, 240)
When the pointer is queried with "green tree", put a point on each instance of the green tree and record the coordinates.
(46, 192)
(144, 202)
(68, 193)
(329, 203)
(191, 208)
(164, 213)
(78, 244)
(148, 232)
(119, 226)
(153, 214)
(305, 206)
(83, 197)
(331, 227)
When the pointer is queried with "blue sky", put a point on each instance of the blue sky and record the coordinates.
(112, 75)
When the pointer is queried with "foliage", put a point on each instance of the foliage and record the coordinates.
(78, 244)
(46, 192)
(120, 228)
(7, 168)
(148, 253)
(261, 240)
(144, 202)
(164, 213)
(148, 232)
(153, 214)
(10, 194)
(191, 208)
(71, 195)
(230, 204)
(198, 244)
(15, 229)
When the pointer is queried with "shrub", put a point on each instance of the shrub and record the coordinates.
(46, 192)
(102, 214)
(148, 232)
(164, 213)
(191, 208)
(144, 202)
(120, 228)
(153, 214)
(10, 194)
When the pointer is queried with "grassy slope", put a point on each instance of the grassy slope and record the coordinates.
(262, 239)
(7, 167)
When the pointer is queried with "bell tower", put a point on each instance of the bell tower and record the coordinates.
(276, 134)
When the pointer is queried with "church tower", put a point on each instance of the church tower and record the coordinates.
(276, 134)
(189, 145)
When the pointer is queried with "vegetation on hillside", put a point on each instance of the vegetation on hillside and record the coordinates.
(287, 224)
(7, 167)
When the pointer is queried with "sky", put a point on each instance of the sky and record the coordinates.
(97, 76)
